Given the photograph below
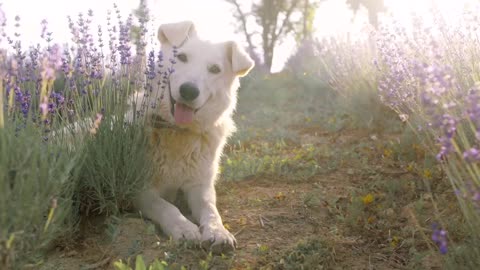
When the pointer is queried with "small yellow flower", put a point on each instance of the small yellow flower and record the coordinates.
(227, 226)
(427, 174)
(394, 241)
(368, 199)
(410, 167)
(387, 153)
(280, 196)
(262, 248)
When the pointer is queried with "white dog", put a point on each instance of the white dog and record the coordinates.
(188, 133)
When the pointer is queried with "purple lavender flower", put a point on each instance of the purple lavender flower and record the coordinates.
(472, 102)
(52, 61)
(66, 63)
(439, 236)
(446, 147)
(45, 35)
(124, 42)
(100, 39)
(471, 155)
(160, 60)
(150, 72)
(448, 124)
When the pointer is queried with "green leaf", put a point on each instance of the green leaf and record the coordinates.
(156, 265)
(119, 265)
(139, 263)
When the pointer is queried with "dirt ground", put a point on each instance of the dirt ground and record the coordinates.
(278, 223)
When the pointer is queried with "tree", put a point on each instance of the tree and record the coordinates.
(242, 18)
(309, 9)
(373, 7)
(276, 19)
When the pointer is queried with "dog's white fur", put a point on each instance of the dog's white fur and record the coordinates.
(187, 156)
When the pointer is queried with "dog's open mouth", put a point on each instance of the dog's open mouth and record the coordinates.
(183, 114)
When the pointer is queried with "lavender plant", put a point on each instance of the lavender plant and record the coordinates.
(428, 74)
(36, 199)
(429, 77)
(54, 170)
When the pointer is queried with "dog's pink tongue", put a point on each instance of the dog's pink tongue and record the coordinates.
(183, 114)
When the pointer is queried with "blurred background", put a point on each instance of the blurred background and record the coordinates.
(247, 21)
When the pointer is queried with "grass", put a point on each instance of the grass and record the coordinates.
(312, 254)
(294, 163)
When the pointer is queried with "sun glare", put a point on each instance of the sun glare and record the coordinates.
(404, 9)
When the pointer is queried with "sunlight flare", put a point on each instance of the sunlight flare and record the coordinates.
(405, 9)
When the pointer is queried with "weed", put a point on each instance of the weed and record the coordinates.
(311, 254)
(140, 265)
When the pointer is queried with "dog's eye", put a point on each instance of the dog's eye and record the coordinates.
(182, 57)
(214, 69)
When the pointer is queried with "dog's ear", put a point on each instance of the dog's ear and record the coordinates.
(176, 33)
(241, 61)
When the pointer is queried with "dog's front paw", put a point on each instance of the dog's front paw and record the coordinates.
(185, 231)
(217, 239)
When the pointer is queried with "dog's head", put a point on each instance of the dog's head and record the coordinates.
(204, 84)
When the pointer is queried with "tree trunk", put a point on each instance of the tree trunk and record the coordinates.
(305, 33)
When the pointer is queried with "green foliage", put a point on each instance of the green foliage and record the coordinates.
(47, 185)
(271, 159)
(463, 255)
(312, 254)
(140, 265)
(115, 167)
(36, 203)
(276, 106)
(267, 141)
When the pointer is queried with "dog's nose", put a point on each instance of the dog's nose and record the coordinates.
(189, 91)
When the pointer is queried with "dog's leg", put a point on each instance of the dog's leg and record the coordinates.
(202, 202)
(167, 216)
